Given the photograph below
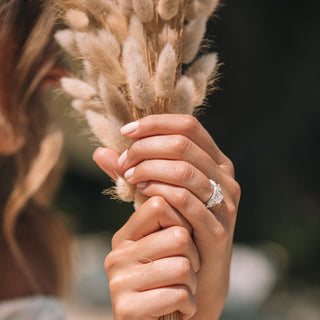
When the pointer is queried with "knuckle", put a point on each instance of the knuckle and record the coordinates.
(232, 208)
(183, 267)
(158, 207)
(114, 284)
(190, 123)
(157, 204)
(182, 198)
(122, 310)
(116, 239)
(185, 297)
(181, 144)
(229, 164)
(184, 171)
(220, 234)
(236, 190)
(111, 260)
(182, 238)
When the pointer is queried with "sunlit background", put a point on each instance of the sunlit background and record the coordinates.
(265, 117)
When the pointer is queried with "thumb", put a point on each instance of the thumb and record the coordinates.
(107, 160)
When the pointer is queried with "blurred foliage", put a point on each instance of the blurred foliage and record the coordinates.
(265, 118)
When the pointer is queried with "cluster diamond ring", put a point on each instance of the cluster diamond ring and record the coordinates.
(216, 197)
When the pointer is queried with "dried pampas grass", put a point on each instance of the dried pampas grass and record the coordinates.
(133, 53)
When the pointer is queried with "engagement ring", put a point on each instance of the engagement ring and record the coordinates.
(216, 197)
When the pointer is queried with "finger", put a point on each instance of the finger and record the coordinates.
(179, 173)
(171, 242)
(167, 272)
(172, 147)
(156, 274)
(155, 303)
(206, 224)
(107, 160)
(174, 241)
(155, 214)
(168, 124)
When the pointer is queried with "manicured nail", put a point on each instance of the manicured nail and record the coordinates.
(129, 173)
(142, 185)
(129, 128)
(123, 158)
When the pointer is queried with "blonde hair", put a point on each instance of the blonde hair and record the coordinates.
(27, 53)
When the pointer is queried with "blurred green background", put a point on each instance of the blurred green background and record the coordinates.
(265, 117)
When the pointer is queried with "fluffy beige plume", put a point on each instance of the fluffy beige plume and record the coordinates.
(206, 64)
(80, 106)
(201, 84)
(124, 190)
(91, 73)
(192, 37)
(144, 9)
(83, 106)
(183, 96)
(166, 72)
(110, 42)
(107, 130)
(139, 81)
(200, 72)
(114, 102)
(139, 199)
(136, 31)
(126, 7)
(66, 40)
(93, 49)
(77, 20)
(192, 10)
(168, 8)
(98, 7)
(167, 35)
(118, 26)
(208, 6)
(78, 89)
(64, 5)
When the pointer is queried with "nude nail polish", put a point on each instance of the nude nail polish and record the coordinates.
(123, 158)
(129, 128)
(129, 173)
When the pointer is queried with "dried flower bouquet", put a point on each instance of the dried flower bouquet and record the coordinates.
(133, 53)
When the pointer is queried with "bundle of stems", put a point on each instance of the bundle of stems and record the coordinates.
(138, 57)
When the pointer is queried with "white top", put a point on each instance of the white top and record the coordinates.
(32, 308)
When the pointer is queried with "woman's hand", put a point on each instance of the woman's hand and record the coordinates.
(153, 263)
(173, 157)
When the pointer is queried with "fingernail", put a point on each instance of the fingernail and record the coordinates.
(123, 158)
(142, 185)
(129, 128)
(129, 173)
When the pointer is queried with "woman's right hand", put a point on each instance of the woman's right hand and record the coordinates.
(153, 263)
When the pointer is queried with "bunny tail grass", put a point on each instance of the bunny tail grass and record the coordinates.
(168, 8)
(165, 74)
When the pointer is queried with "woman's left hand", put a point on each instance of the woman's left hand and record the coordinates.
(174, 157)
